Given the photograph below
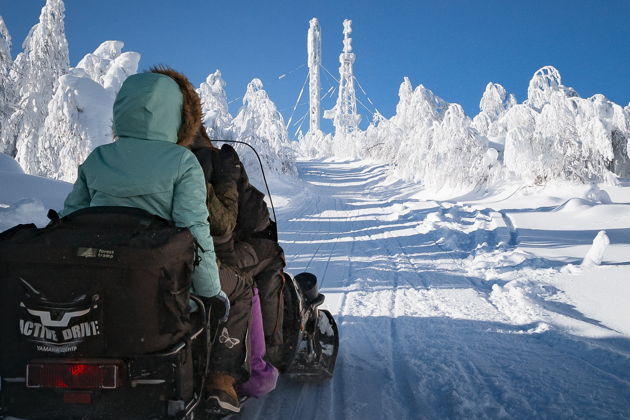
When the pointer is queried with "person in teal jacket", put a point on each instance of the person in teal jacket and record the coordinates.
(148, 165)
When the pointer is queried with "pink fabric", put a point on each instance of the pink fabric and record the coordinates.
(264, 375)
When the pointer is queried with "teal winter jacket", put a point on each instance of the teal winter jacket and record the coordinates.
(145, 168)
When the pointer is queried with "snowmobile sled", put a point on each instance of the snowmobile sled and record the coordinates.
(95, 320)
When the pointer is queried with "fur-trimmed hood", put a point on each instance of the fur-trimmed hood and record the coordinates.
(191, 106)
(201, 140)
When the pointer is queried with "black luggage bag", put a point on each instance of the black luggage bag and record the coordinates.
(106, 281)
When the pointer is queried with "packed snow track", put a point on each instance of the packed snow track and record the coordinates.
(441, 315)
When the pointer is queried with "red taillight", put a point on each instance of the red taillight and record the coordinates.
(93, 374)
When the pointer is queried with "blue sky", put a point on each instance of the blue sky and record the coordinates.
(452, 47)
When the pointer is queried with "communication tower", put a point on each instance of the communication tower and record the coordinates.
(344, 114)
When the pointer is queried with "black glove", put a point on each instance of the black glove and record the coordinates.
(218, 306)
(223, 306)
(226, 165)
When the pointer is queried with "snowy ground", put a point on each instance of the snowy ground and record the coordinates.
(470, 308)
(474, 307)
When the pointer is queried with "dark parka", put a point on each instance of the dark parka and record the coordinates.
(240, 220)
(222, 194)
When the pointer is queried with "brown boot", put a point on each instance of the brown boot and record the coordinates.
(221, 393)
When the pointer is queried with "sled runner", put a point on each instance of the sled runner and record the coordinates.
(311, 335)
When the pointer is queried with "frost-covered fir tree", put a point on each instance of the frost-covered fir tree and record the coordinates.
(35, 73)
(80, 112)
(315, 144)
(216, 117)
(556, 134)
(109, 66)
(404, 139)
(521, 153)
(6, 86)
(458, 157)
(418, 113)
(494, 103)
(78, 120)
(604, 129)
(378, 139)
(430, 141)
(546, 83)
(260, 124)
(346, 145)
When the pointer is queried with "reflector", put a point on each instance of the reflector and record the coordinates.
(73, 397)
(74, 374)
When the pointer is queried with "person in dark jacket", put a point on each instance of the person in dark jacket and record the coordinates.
(230, 358)
(240, 219)
(263, 258)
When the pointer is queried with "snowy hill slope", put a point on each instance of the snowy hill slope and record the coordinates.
(451, 309)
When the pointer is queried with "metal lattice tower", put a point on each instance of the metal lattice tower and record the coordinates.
(314, 44)
(344, 114)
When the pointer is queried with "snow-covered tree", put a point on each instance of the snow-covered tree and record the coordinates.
(556, 134)
(6, 87)
(109, 66)
(346, 145)
(494, 103)
(315, 144)
(35, 73)
(430, 141)
(79, 119)
(605, 130)
(521, 153)
(80, 112)
(418, 113)
(260, 124)
(216, 117)
(458, 156)
(546, 83)
(379, 139)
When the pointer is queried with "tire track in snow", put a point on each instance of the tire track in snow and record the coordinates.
(402, 389)
(414, 267)
(333, 394)
(338, 388)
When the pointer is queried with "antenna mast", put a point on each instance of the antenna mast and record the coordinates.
(344, 114)
(314, 44)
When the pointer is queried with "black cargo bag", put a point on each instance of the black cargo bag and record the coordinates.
(100, 282)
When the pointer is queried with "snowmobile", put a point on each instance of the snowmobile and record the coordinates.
(95, 320)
